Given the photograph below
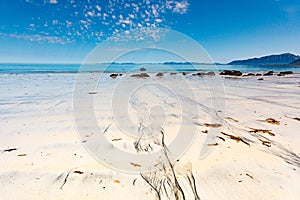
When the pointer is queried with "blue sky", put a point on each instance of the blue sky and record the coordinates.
(62, 31)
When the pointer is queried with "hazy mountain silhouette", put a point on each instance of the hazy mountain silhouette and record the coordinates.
(285, 58)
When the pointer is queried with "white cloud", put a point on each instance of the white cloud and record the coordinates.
(98, 8)
(90, 13)
(119, 16)
(181, 7)
(37, 38)
(131, 16)
(53, 1)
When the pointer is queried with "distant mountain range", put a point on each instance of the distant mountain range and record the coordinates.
(296, 62)
(281, 59)
(162, 63)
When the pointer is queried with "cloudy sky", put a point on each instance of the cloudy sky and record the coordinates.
(47, 31)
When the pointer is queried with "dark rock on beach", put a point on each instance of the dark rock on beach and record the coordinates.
(159, 74)
(284, 73)
(142, 69)
(199, 74)
(141, 75)
(204, 74)
(231, 73)
(113, 75)
(210, 73)
(184, 73)
(269, 73)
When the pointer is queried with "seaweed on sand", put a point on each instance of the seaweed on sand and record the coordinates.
(164, 181)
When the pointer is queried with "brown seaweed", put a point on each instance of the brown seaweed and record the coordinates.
(236, 138)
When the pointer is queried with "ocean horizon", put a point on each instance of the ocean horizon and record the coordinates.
(28, 68)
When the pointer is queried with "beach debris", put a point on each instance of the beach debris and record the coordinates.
(184, 73)
(205, 131)
(93, 92)
(261, 131)
(65, 180)
(135, 164)
(266, 143)
(113, 75)
(173, 73)
(22, 155)
(116, 139)
(141, 75)
(269, 73)
(249, 176)
(212, 125)
(159, 74)
(260, 79)
(236, 138)
(231, 73)
(9, 150)
(133, 182)
(214, 144)
(143, 69)
(165, 182)
(231, 119)
(271, 121)
(295, 118)
(221, 138)
(78, 172)
(116, 181)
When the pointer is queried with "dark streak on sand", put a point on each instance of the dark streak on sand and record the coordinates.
(221, 138)
(271, 121)
(266, 143)
(236, 138)
(65, 181)
(9, 150)
(212, 125)
(294, 118)
(231, 119)
(261, 131)
(249, 176)
(78, 172)
(106, 128)
(214, 144)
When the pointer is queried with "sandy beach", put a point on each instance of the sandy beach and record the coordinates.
(254, 153)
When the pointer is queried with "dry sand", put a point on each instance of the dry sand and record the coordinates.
(256, 154)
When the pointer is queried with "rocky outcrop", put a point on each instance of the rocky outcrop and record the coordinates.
(231, 73)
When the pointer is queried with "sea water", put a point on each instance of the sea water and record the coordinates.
(122, 68)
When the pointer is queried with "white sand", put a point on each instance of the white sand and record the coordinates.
(37, 119)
